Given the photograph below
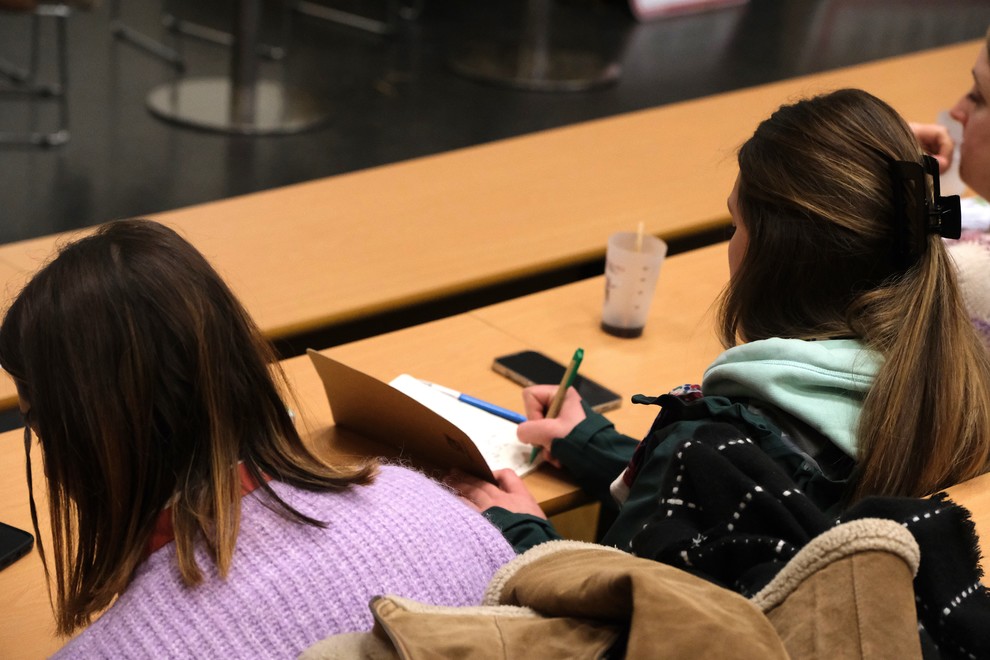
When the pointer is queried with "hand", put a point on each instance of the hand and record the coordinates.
(510, 493)
(935, 140)
(541, 432)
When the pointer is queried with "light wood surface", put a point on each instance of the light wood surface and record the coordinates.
(27, 630)
(677, 345)
(338, 249)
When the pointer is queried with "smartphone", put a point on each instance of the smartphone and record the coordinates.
(14, 544)
(532, 368)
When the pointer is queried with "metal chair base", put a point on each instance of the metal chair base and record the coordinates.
(24, 80)
(394, 10)
(210, 105)
(176, 25)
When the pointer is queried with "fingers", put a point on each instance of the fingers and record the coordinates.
(510, 482)
(935, 140)
(539, 432)
(572, 405)
(470, 489)
(510, 494)
(549, 458)
(467, 485)
(542, 432)
(536, 400)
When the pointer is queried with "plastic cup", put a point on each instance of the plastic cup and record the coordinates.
(632, 266)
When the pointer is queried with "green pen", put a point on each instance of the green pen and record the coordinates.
(558, 399)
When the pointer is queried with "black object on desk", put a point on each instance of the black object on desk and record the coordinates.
(14, 544)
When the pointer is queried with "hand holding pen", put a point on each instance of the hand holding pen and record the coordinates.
(553, 411)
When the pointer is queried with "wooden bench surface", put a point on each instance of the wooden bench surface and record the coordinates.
(342, 248)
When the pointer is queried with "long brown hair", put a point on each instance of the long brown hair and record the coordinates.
(147, 383)
(817, 199)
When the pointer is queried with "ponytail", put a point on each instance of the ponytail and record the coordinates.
(832, 252)
(923, 426)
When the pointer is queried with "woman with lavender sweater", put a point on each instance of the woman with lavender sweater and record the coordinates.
(188, 518)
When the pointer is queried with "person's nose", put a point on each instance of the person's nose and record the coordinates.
(958, 111)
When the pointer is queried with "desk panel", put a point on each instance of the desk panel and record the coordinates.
(338, 249)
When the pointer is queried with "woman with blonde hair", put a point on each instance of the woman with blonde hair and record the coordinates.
(850, 360)
(973, 113)
(972, 254)
(181, 495)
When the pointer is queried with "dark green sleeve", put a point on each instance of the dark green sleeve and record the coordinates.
(594, 454)
(521, 530)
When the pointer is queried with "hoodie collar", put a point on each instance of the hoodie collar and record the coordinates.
(822, 383)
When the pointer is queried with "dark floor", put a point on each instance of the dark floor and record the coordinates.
(396, 98)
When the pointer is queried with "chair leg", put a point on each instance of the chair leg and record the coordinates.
(214, 36)
(127, 34)
(388, 26)
(61, 136)
(174, 24)
(27, 79)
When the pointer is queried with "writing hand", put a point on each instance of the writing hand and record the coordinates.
(540, 431)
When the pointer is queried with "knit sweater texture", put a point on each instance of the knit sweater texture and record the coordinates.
(292, 584)
(971, 256)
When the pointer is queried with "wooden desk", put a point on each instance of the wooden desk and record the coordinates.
(458, 352)
(322, 253)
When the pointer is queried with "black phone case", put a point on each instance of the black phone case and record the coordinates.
(532, 368)
(14, 544)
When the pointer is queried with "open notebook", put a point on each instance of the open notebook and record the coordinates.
(423, 425)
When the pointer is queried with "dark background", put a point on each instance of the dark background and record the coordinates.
(395, 98)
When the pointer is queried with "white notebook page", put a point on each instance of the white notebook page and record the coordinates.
(494, 436)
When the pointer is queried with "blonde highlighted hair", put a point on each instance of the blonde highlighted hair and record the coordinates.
(147, 384)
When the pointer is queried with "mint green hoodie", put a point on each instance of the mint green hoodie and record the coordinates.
(822, 383)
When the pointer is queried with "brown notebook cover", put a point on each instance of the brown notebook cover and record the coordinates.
(378, 411)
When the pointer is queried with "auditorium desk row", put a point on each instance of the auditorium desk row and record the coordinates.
(325, 253)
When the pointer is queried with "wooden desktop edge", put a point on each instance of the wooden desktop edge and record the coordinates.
(868, 75)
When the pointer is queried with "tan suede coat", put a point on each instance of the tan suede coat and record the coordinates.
(848, 594)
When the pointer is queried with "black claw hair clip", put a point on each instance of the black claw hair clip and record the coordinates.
(919, 213)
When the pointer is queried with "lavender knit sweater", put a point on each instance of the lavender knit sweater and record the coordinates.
(291, 584)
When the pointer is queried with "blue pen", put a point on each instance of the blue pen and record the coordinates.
(498, 411)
